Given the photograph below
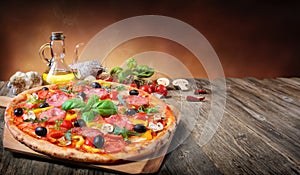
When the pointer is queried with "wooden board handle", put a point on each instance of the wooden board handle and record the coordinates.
(4, 101)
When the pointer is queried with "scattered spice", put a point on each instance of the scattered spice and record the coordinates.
(194, 99)
(200, 91)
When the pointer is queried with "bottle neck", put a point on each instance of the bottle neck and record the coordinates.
(58, 49)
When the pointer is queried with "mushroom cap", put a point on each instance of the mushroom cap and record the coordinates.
(180, 81)
(163, 81)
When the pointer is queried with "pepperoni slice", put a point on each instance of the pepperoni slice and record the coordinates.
(137, 101)
(57, 99)
(87, 132)
(53, 114)
(119, 121)
(112, 137)
(102, 93)
(114, 146)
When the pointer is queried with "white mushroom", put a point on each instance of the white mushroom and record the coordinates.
(183, 84)
(156, 127)
(29, 116)
(163, 81)
(106, 128)
(157, 117)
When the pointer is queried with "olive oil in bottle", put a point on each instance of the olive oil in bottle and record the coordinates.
(58, 71)
(59, 77)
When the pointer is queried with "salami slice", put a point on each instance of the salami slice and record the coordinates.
(57, 99)
(86, 131)
(114, 146)
(102, 93)
(137, 101)
(53, 114)
(119, 121)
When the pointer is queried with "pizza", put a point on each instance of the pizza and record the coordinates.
(96, 122)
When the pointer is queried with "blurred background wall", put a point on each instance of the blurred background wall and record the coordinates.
(251, 38)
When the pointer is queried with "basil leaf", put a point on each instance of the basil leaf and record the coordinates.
(105, 108)
(152, 110)
(68, 135)
(125, 133)
(85, 109)
(121, 100)
(107, 112)
(124, 74)
(143, 71)
(88, 116)
(34, 99)
(131, 63)
(117, 130)
(120, 88)
(92, 100)
(65, 89)
(73, 103)
(57, 124)
(115, 71)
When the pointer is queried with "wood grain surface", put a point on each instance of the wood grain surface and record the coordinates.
(259, 134)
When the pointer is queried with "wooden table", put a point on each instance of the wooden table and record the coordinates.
(258, 134)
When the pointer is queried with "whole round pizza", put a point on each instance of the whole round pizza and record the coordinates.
(99, 121)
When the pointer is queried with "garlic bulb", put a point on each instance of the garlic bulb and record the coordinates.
(20, 81)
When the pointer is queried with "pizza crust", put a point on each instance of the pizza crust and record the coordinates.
(146, 150)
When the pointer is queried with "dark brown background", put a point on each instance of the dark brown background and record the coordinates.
(251, 38)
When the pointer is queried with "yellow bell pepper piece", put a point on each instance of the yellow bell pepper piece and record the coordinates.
(39, 110)
(105, 84)
(147, 135)
(138, 121)
(91, 149)
(70, 116)
(28, 96)
(79, 141)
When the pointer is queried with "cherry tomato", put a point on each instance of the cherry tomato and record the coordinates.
(43, 94)
(53, 135)
(66, 124)
(110, 79)
(161, 89)
(141, 116)
(146, 88)
(88, 141)
(134, 85)
(152, 86)
(114, 95)
(30, 105)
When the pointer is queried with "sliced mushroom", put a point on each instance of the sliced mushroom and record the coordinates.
(106, 128)
(163, 81)
(156, 127)
(29, 116)
(63, 141)
(183, 84)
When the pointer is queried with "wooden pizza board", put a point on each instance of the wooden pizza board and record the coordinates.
(138, 167)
